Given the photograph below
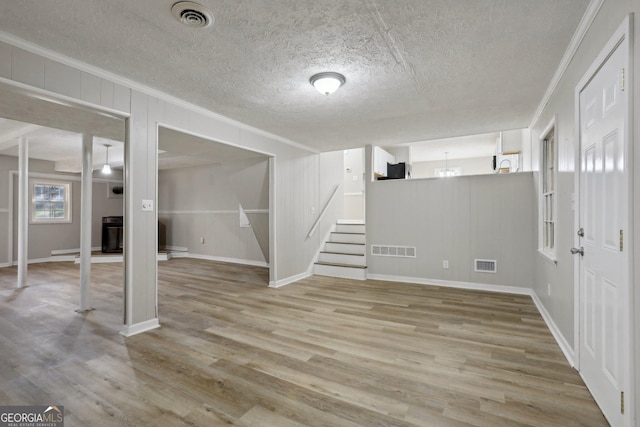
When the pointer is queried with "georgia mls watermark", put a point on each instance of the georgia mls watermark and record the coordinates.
(31, 416)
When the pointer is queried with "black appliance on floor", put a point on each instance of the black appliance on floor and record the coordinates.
(112, 227)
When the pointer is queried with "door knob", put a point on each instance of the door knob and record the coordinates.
(578, 251)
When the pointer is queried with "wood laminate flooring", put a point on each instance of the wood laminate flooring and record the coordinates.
(319, 352)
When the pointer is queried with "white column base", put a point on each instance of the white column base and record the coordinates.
(138, 328)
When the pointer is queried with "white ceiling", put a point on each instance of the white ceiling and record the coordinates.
(178, 150)
(416, 70)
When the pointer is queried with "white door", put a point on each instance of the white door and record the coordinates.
(604, 218)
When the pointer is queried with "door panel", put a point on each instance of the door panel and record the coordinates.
(604, 283)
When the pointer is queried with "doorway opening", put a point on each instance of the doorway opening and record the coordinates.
(214, 200)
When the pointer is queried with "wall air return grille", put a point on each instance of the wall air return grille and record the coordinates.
(486, 265)
(395, 251)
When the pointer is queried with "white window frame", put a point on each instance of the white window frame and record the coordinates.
(68, 207)
(547, 196)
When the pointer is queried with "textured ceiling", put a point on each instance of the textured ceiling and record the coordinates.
(415, 69)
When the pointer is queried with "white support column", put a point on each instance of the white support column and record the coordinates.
(85, 223)
(23, 212)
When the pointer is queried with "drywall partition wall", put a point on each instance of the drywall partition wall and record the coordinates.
(198, 207)
(45, 238)
(559, 276)
(451, 222)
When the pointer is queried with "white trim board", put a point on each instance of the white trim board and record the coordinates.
(553, 328)
(138, 328)
(288, 280)
(66, 177)
(451, 284)
(72, 251)
(560, 339)
(220, 259)
(214, 212)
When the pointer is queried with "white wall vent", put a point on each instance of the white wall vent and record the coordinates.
(486, 265)
(396, 251)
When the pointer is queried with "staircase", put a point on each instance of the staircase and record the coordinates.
(344, 253)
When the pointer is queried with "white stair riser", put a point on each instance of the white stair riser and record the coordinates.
(344, 272)
(350, 228)
(347, 238)
(342, 259)
(344, 248)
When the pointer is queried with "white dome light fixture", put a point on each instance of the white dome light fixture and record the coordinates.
(327, 82)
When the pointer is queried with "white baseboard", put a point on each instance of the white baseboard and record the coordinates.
(69, 258)
(286, 281)
(451, 284)
(6, 264)
(221, 259)
(72, 251)
(174, 248)
(555, 331)
(138, 328)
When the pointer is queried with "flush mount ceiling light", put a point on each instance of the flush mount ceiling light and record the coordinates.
(106, 169)
(327, 82)
(192, 14)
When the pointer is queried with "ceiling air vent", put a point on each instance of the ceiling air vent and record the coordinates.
(192, 14)
(486, 265)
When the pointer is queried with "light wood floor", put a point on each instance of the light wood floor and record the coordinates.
(320, 352)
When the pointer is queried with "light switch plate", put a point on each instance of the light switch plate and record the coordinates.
(147, 205)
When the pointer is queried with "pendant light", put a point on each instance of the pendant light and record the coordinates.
(446, 172)
(106, 169)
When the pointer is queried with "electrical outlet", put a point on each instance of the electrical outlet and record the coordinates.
(202, 240)
(549, 289)
(445, 264)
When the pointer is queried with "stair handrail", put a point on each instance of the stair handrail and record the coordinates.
(324, 211)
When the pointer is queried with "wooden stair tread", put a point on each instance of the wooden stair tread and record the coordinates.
(335, 264)
(339, 253)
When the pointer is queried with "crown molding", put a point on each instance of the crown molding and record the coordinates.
(578, 35)
(131, 84)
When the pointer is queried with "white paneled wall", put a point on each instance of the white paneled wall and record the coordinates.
(303, 179)
(34, 70)
(455, 220)
(202, 203)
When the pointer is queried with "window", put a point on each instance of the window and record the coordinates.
(548, 166)
(51, 202)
